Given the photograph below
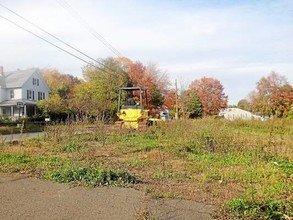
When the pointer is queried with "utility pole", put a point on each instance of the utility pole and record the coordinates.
(176, 100)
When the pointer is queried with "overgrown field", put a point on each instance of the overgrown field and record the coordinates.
(243, 167)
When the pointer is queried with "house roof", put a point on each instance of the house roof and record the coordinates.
(17, 78)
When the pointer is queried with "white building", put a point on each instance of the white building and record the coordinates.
(237, 113)
(19, 91)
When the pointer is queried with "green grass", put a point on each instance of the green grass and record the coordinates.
(137, 163)
(268, 209)
(62, 171)
(71, 147)
(21, 162)
(91, 176)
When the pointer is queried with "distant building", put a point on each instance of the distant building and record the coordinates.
(19, 91)
(237, 113)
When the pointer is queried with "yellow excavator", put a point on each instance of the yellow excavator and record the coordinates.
(133, 109)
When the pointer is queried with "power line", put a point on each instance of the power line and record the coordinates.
(98, 36)
(54, 36)
(12, 22)
(47, 41)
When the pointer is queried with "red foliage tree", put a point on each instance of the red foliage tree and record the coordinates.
(136, 74)
(211, 94)
(170, 100)
(273, 96)
(148, 77)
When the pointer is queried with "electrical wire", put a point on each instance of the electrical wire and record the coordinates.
(60, 48)
(85, 24)
(60, 40)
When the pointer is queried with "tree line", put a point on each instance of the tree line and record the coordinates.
(273, 97)
(95, 96)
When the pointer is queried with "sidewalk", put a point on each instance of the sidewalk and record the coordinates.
(19, 137)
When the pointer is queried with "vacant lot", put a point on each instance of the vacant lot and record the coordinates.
(244, 168)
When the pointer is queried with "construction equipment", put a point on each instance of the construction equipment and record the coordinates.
(132, 109)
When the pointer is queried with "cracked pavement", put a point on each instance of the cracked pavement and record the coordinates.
(24, 197)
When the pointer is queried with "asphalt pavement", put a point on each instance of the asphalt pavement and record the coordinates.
(24, 197)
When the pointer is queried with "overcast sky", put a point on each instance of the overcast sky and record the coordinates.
(234, 41)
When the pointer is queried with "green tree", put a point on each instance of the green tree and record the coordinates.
(54, 105)
(157, 97)
(97, 96)
(244, 104)
(192, 105)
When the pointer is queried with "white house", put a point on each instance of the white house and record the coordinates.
(19, 91)
(237, 113)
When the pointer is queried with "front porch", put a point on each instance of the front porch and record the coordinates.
(18, 108)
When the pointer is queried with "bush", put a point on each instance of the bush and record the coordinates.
(9, 130)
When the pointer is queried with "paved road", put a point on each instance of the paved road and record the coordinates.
(23, 197)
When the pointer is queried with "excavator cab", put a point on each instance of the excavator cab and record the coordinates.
(132, 107)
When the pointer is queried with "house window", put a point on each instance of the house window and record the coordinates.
(36, 81)
(30, 95)
(41, 95)
(12, 94)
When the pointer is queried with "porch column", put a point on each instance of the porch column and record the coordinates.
(11, 111)
(24, 109)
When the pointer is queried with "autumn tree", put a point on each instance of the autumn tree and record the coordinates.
(290, 113)
(157, 77)
(170, 99)
(61, 95)
(97, 96)
(136, 72)
(62, 84)
(211, 94)
(273, 96)
(149, 77)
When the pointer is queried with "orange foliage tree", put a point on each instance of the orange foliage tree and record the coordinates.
(61, 99)
(273, 96)
(149, 77)
(210, 92)
(170, 99)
